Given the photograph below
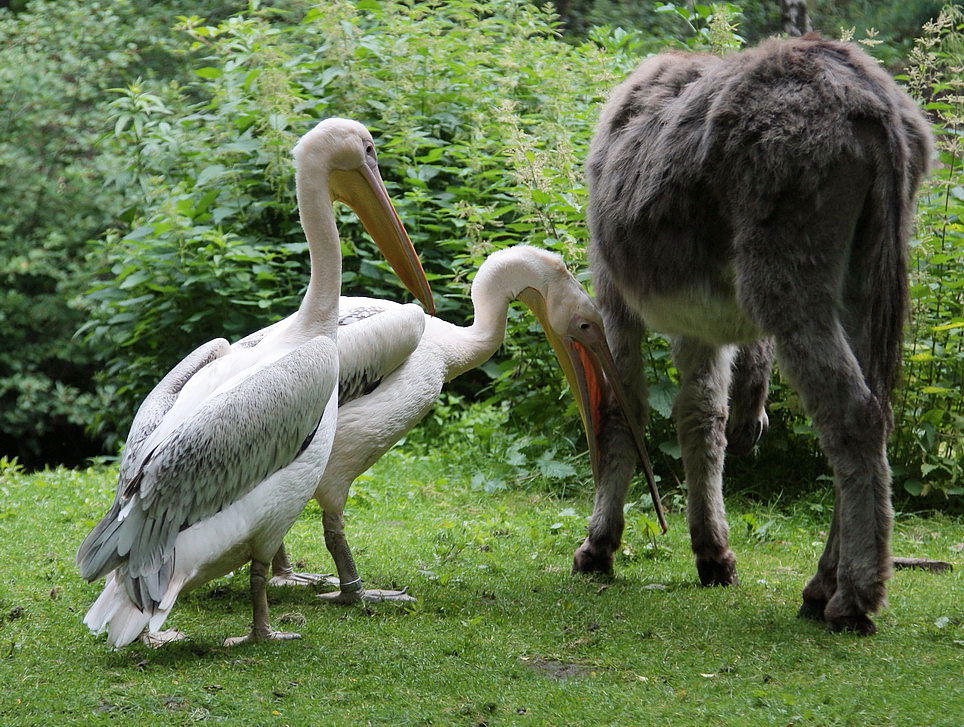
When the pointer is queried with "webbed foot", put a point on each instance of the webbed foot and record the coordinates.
(367, 595)
(303, 579)
(157, 639)
(257, 636)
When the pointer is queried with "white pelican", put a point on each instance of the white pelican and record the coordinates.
(383, 400)
(227, 449)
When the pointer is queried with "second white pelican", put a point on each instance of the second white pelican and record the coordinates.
(395, 360)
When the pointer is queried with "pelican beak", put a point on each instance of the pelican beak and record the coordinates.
(364, 191)
(589, 367)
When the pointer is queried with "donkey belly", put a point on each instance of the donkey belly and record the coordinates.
(713, 319)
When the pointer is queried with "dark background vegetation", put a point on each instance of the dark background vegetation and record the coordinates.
(146, 201)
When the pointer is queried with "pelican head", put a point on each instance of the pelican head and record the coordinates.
(343, 151)
(576, 333)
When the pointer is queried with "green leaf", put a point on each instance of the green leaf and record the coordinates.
(209, 72)
(914, 487)
(671, 447)
(662, 394)
(209, 173)
(205, 202)
(554, 469)
(134, 279)
(948, 326)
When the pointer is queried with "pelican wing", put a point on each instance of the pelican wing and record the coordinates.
(253, 339)
(375, 337)
(160, 400)
(151, 412)
(225, 448)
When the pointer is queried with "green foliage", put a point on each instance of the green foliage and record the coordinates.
(55, 61)
(173, 148)
(685, 23)
(929, 440)
(538, 458)
(482, 117)
(896, 23)
(707, 27)
(580, 17)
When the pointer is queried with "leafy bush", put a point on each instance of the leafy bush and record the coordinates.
(929, 443)
(56, 59)
(482, 116)
(894, 22)
(897, 21)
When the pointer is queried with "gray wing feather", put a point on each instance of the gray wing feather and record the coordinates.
(231, 443)
(150, 413)
(374, 344)
(358, 313)
(253, 339)
(161, 399)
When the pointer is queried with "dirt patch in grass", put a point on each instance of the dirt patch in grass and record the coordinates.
(555, 669)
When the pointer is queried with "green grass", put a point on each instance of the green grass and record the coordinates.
(501, 634)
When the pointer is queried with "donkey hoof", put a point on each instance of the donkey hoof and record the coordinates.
(586, 560)
(858, 623)
(721, 572)
(812, 609)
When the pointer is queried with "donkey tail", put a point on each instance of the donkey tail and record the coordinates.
(879, 260)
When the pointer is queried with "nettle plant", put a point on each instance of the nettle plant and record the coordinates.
(55, 61)
(482, 116)
(928, 448)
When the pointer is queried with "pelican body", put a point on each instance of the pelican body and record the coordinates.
(395, 360)
(227, 449)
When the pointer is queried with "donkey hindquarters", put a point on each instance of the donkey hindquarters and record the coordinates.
(764, 196)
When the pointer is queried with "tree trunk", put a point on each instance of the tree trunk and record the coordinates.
(795, 19)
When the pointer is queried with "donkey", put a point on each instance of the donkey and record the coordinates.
(750, 206)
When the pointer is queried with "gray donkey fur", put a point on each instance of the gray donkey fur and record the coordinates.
(764, 196)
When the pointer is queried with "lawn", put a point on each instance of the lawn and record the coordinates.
(501, 633)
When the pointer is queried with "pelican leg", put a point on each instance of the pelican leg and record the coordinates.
(260, 628)
(352, 589)
(285, 575)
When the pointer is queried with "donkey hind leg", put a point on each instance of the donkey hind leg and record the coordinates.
(700, 412)
(820, 589)
(748, 420)
(618, 458)
(853, 427)
(799, 305)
